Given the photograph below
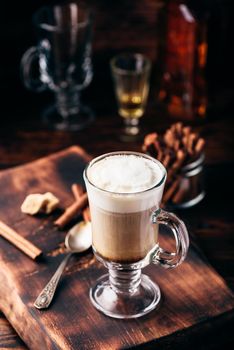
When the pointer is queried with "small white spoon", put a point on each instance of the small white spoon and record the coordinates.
(77, 240)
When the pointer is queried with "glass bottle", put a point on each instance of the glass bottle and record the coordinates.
(183, 85)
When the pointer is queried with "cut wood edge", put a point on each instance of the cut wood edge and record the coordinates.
(72, 149)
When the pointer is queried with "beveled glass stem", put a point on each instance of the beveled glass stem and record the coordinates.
(123, 281)
(131, 126)
(125, 293)
(67, 102)
(68, 113)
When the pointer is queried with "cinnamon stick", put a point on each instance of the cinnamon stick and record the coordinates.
(186, 130)
(176, 165)
(191, 141)
(171, 190)
(176, 145)
(179, 127)
(158, 150)
(169, 138)
(150, 138)
(86, 214)
(199, 146)
(179, 195)
(77, 191)
(72, 211)
(166, 160)
(20, 242)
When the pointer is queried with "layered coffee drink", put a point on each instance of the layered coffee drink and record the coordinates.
(123, 193)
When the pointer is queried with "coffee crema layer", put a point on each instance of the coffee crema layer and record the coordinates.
(123, 238)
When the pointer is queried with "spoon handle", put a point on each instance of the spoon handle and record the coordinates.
(45, 297)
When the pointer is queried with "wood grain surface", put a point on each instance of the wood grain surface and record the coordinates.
(9, 338)
(192, 293)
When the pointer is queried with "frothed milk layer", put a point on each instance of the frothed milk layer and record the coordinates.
(121, 183)
(125, 174)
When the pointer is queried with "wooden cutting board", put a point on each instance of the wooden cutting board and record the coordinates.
(192, 293)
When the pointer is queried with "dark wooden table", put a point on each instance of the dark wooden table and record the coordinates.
(211, 221)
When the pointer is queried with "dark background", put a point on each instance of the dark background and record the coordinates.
(122, 25)
(119, 26)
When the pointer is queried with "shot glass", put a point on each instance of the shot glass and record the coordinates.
(131, 74)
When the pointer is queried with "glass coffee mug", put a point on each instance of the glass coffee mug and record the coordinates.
(63, 55)
(125, 232)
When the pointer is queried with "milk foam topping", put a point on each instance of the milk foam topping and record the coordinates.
(125, 177)
(125, 174)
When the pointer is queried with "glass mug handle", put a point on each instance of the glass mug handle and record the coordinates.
(163, 257)
(28, 59)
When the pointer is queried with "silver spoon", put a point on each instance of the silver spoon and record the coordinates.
(77, 240)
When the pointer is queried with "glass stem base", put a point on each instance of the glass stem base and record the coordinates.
(68, 113)
(131, 126)
(125, 294)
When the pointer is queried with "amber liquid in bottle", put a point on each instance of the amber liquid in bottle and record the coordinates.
(183, 85)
